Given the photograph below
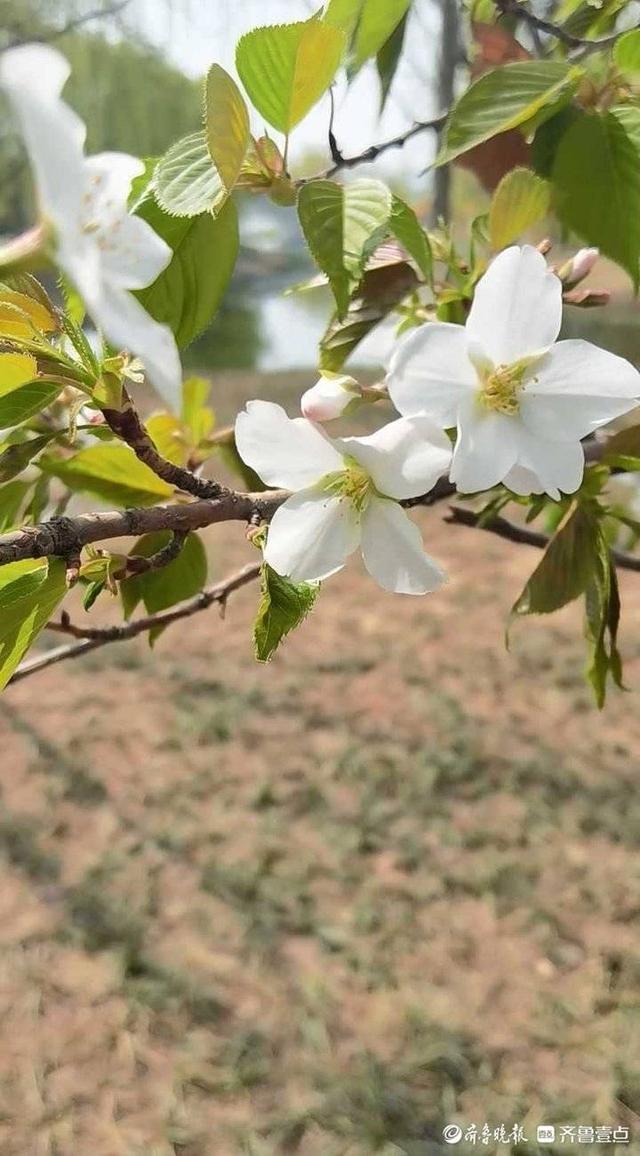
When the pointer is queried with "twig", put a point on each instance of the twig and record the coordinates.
(73, 25)
(127, 425)
(93, 639)
(524, 536)
(137, 564)
(518, 9)
(374, 151)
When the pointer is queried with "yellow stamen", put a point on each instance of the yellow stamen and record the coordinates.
(352, 483)
(500, 387)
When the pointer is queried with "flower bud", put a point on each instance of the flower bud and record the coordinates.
(330, 397)
(579, 266)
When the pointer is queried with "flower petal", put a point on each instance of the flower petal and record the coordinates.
(129, 327)
(33, 77)
(393, 552)
(284, 451)
(517, 307)
(132, 255)
(430, 372)
(523, 481)
(311, 536)
(405, 458)
(486, 449)
(557, 466)
(579, 368)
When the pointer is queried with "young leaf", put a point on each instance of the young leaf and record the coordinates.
(160, 589)
(626, 53)
(378, 21)
(602, 601)
(283, 606)
(504, 99)
(286, 68)
(227, 125)
(196, 414)
(343, 14)
(26, 400)
(15, 458)
(167, 434)
(15, 370)
(111, 472)
(342, 225)
(380, 291)
(187, 294)
(11, 498)
(186, 181)
(30, 591)
(23, 316)
(388, 59)
(566, 568)
(407, 229)
(596, 176)
(520, 201)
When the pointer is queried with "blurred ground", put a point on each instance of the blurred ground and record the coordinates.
(323, 906)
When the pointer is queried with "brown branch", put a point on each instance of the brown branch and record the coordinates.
(65, 536)
(539, 24)
(523, 535)
(127, 425)
(92, 639)
(374, 151)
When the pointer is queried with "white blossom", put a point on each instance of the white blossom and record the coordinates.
(521, 403)
(330, 397)
(346, 494)
(103, 249)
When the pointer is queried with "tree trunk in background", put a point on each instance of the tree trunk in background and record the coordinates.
(447, 64)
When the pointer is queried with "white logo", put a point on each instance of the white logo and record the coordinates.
(546, 1134)
(452, 1134)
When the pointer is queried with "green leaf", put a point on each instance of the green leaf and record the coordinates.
(15, 458)
(343, 14)
(187, 294)
(626, 53)
(160, 589)
(520, 201)
(602, 601)
(283, 606)
(11, 498)
(566, 568)
(111, 472)
(342, 225)
(505, 98)
(388, 59)
(596, 176)
(167, 433)
(227, 125)
(27, 400)
(380, 291)
(196, 414)
(407, 229)
(286, 68)
(15, 370)
(378, 20)
(30, 591)
(186, 181)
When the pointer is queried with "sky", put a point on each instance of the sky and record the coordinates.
(193, 34)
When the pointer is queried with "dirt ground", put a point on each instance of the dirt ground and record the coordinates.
(328, 905)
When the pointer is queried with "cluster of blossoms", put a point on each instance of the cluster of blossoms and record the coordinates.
(516, 401)
(498, 400)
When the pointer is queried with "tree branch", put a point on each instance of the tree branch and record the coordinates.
(127, 425)
(523, 535)
(93, 639)
(65, 537)
(374, 151)
(539, 24)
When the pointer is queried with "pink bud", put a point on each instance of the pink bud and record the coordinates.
(329, 397)
(580, 265)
